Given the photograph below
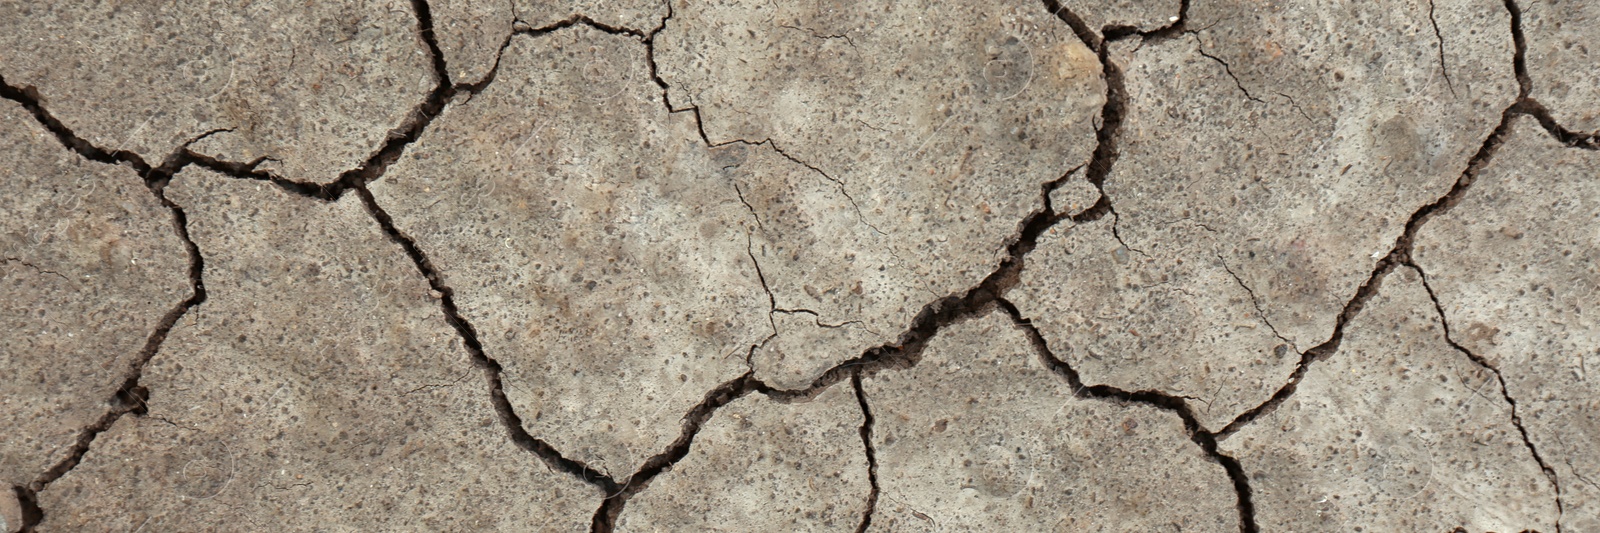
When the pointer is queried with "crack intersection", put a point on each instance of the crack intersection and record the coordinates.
(1505, 391)
(1177, 405)
(904, 352)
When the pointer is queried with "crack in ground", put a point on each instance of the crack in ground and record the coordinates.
(905, 351)
(1255, 302)
(1531, 107)
(1505, 391)
(816, 318)
(1400, 254)
(130, 396)
(605, 517)
(929, 320)
(902, 353)
(649, 41)
(1200, 47)
(772, 300)
(491, 368)
(1207, 441)
(1444, 67)
(867, 421)
(36, 268)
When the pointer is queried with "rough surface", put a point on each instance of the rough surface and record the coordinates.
(1138, 15)
(316, 387)
(1564, 59)
(600, 259)
(638, 15)
(470, 34)
(937, 135)
(981, 436)
(90, 262)
(1302, 146)
(761, 465)
(743, 265)
(1175, 322)
(1076, 195)
(1397, 431)
(313, 87)
(1514, 269)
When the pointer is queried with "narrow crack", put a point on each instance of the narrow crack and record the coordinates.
(862, 216)
(1177, 405)
(492, 369)
(1200, 47)
(819, 36)
(1399, 254)
(1295, 104)
(772, 300)
(1579, 474)
(649, 40)
(816, 318)
(747, 206)
(1444, 67)
(872, 454)
(1255, 302)
(36, 268)
(1505, 391)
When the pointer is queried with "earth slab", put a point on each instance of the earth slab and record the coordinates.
(739, 265)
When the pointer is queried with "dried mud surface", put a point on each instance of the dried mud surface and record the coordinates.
(742, 265)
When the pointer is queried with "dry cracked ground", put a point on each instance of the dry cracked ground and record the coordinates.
(1135, 265)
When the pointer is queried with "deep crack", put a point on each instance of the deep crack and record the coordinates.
(1399, 254)
(1531, 107)
(872, 455)
(130, 396)
(491, 368)
(1177, 405)
(616, 500)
